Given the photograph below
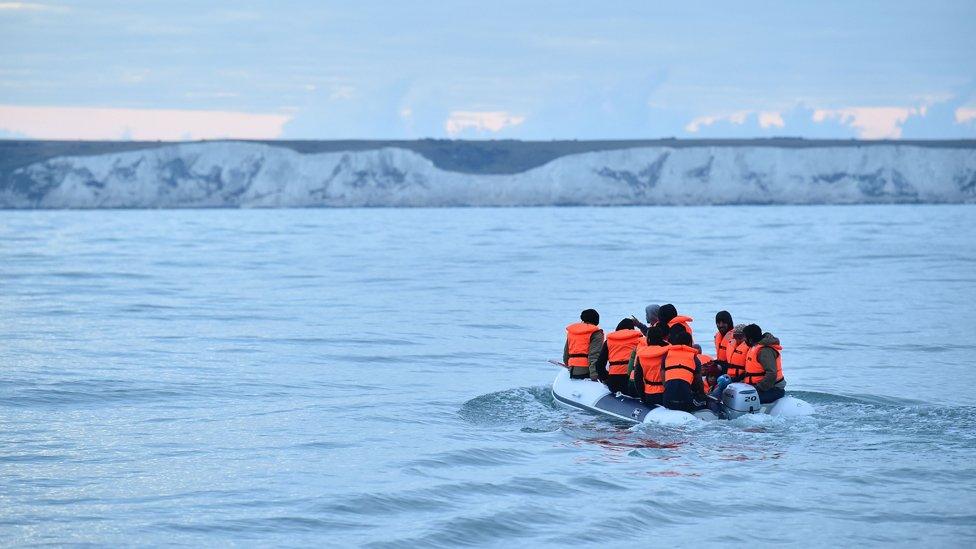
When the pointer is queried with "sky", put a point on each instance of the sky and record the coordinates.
(494, 69)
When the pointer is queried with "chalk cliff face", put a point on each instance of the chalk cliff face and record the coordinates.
(235, 174)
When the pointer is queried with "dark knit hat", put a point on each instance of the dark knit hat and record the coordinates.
(679, 336)
(666, 313)
(626, 324)
(590, 316)
(724, 316)
(655, 335)
(752, 332)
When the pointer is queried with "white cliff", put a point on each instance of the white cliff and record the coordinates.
(235, 174)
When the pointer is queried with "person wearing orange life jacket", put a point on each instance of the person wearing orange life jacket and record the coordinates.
(616, 352)
(706, 361)
(632, 376)
(764, 364)
(668, 315)
(647, 367)
(711, 372)
(682, 372)
(735, 365)
(736, 357)
(584, 340)
(724, 335)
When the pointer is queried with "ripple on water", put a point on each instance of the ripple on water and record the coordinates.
(90, 392)
(473, 457)
(482, 528)
(281, 524)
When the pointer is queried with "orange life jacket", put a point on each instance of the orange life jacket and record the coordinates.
(723, 344)
(755, 371)
(683, 320)
(578, 337)
(633, 354)
(681, 362)
(705, 359)
(650, 361)
(620, 344)
(737, 360)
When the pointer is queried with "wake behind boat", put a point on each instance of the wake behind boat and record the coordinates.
(738, 399)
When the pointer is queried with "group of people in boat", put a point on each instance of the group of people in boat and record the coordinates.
(660, 363)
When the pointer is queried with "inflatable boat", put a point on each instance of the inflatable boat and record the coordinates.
(737, 400)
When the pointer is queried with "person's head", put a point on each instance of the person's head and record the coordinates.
(650, 313)
(626, 324)
(590, 316)
(679, 336)
(723, 321)
(655, 335)
(711, 371)
(737, 332)
(666, 313)
(753, 333)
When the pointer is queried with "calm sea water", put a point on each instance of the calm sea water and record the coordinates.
(377, 377)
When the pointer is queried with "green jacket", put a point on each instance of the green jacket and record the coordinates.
(593, 355)
(767, 358)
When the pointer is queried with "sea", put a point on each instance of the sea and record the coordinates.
(379, 377)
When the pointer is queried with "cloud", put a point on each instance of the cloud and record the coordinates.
(938, 120)
(965, 114)
(871, 122)
(737, 118)
(795, 121)
(868, 122)
(141, 124)
(771, 119)
(30, 6)
(480, 121)
(948, 117)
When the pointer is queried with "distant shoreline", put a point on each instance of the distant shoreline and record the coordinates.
(388, 174)
(463, 156)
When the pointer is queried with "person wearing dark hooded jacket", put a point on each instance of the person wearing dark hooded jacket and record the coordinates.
(616, 353)
(682, 372)
(764, 368)
(647, 367)
(668, 315)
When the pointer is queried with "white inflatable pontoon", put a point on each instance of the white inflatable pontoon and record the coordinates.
(738, 399)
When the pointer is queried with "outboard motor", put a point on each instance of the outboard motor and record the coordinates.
(739, 399)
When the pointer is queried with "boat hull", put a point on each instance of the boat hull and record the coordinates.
(594, 397)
